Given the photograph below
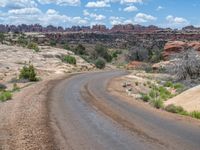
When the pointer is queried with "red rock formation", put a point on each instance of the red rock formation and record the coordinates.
(174, 47)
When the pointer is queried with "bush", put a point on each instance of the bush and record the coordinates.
(168, 84)
(145, 97)
(100, 63)
(33, 46)
(157, 103)
(195, 114)
(66, 46)
(2, 87)
(80, 50)
(175, 109)
(5, 95)
(69, 59)
(102, 51)
(28, 72)
(2, 37)
(178, 86)
(53, 43)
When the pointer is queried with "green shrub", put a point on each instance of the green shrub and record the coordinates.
(136, 83)
(66, 46)
(174, 109)
(28, 72)
(145, 97)
(33, 46)
(80, 50)
(69, 59)
(153, 94)
(195, 114)
(100, 63)
(53, 43)
(178, 86)
(5, 95)
(2, 37)
(102, 51)
(157, 103)
(168, 84)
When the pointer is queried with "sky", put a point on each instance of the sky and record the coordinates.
(66, 13)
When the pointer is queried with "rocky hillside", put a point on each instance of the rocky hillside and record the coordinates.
(173, 47)
(47, 62)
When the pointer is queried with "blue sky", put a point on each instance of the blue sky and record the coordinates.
(163, 13)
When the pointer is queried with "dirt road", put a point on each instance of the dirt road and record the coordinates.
(85, 116)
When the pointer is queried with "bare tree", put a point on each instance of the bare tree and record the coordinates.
(186, 65)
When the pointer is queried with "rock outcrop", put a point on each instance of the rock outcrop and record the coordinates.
(173, 47)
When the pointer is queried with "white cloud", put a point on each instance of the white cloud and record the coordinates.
(120, 20)
(24, 11)
(176, 20)
(15, 4)
(130, 9)
(61, 2)
(34, 15)
(115, 20)
(98, 4)
(97, 17)
(159, 8)
(143, 18)
(131, 1)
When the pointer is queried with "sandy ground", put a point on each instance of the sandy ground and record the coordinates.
(24, 119)
(189, 100)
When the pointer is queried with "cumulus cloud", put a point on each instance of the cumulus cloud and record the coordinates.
(176, 20)
(16, 4)
(35, 15)
(120, 20)
(130, 9)
(98, 4)
(143, 18)
(24, 11)
(97, 17)
(61, 2)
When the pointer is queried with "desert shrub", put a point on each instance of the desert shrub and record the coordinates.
(69, 59)
(2, 37)
(66, 46)
(22, 41)
(195, 114)
(174, 109)
(157, 103)
(136, 83)
(100, 63)
(178, 86)
(28, 72)
(2, 87)
(5, 95)
(80, 50)
(33, 46)
(102, 51)
(187, 65)
(53, 43)
(145, 97)
(168, 84)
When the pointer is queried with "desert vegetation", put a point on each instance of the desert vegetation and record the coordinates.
(69, 59)
(28, 73)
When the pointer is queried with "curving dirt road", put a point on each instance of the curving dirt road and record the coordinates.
(85, 116)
